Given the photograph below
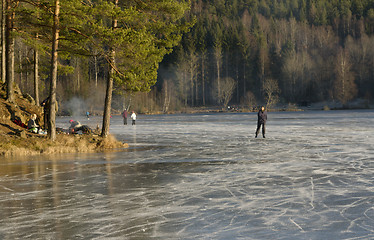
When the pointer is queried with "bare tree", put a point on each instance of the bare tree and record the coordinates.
(218, 58)
(290, 70)
(203, 59)
(344, 86)
(167, 97)
(182, 81)
(271, 91)
(226, 90)
(192, 67)
(360, 57)
(249, 100)
(297, 75)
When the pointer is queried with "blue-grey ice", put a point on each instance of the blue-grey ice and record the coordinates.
(202, 176)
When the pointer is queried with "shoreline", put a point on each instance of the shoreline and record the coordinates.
(17, 146)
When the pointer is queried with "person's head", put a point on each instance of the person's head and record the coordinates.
(33, 117)
(262, 108)
(71, 120)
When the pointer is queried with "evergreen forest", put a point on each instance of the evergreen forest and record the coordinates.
(236, 52)
(251, 52)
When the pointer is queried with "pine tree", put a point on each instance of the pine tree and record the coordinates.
(148, 31)
(54, 62)
(9, 48)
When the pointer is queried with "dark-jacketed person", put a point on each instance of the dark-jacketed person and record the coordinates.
(261, 121)
(124, 115)
(45, 104)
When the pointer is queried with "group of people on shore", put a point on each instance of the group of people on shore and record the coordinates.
(33, 126)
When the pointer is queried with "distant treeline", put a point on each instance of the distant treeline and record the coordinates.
(239, 52)
(265, 51)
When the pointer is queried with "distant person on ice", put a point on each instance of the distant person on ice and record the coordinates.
(124, 115)
(262, 117)
(133, 117)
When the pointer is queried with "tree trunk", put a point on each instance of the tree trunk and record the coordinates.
(165, 107)
(192, 83)
(109, 88)
(218, 55)
(244, 79)
(185, 87)
(237, 76)
(3, 50)
(36, 75)
(96, 71)
(108, 101)
(52, 92)
(27, 72)
(9, 46)
(20, 70)
(203, 76)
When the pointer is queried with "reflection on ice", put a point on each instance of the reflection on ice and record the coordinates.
(202, 177)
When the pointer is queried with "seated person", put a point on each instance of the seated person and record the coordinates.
(32, 126)
(74, 125)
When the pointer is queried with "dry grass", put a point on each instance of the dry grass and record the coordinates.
(16, 146)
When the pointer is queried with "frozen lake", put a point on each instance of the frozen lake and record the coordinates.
(202, 176)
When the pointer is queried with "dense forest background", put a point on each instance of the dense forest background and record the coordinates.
(239, 52)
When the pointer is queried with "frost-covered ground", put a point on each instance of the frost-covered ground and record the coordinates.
(202, 177)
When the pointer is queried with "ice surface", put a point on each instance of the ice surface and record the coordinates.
(202, 176)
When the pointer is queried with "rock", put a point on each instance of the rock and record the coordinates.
(29, 98)
(21, 134)
(16, 89)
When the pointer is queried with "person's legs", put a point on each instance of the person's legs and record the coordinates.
(258, 128)
(46, 120)
(263, 130)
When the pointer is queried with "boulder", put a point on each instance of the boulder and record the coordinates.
(21, 134)
(29, 98)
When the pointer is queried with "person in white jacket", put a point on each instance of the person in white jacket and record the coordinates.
(133, 118)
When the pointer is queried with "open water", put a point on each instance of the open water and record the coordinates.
(202, 176)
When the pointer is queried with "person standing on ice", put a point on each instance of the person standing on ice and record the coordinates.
(124, 115)
(262, 117)
(133, 118)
